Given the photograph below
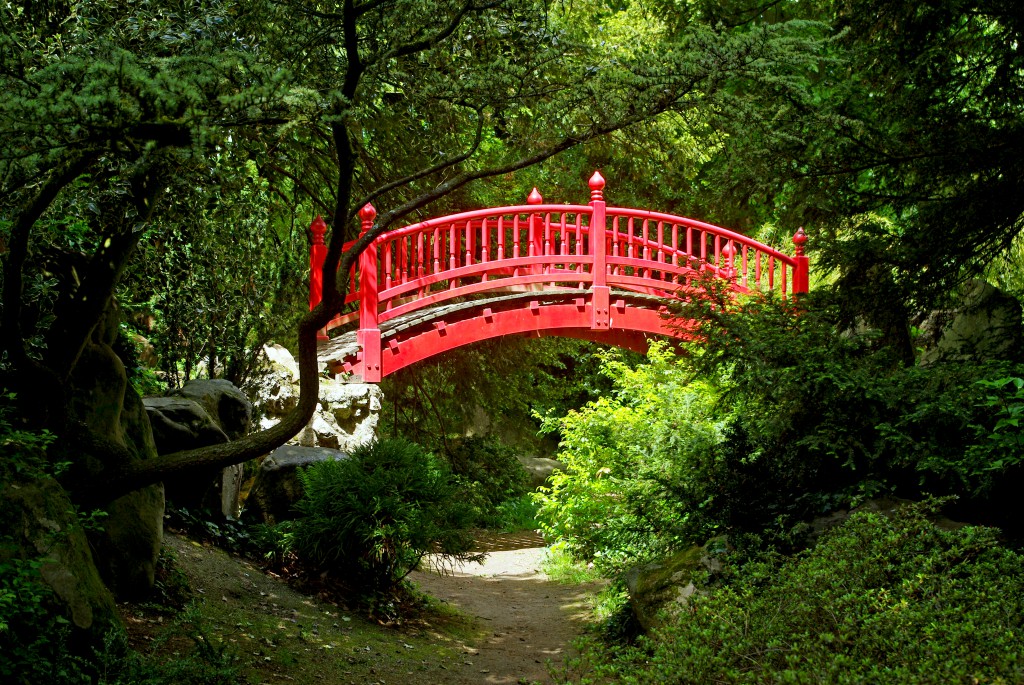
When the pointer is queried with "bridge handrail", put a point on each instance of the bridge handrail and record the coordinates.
(456, 250)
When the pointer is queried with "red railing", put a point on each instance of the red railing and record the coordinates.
(540, 246)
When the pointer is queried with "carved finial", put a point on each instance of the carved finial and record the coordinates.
(318, 227)
(534, 197)
(799, 238)
(367, 214)
(596, 186)
(727, 270)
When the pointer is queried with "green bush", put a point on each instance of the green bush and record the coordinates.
(372, 517)
(879, 600)
(490, 463)
(491, 479)
(513, 515)
(773, 416)
(32, 638)
(644, 467)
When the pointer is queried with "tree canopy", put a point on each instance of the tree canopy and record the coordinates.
(126, 122)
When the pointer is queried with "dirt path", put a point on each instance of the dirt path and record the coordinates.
(530, 620)
(511, 622)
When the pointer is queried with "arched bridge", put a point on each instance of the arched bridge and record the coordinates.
(586, 271)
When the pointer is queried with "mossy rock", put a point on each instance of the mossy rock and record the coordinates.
(663, 588)
(38, 519)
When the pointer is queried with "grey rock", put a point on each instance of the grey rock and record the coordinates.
(224, 402)
(345, 418)
(180, 423)
(540, 469)
(985, 325)
(663, 588)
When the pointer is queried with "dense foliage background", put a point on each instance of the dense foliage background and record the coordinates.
(160, 163)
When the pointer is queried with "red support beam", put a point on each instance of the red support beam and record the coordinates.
(369, 329)
(317, 254)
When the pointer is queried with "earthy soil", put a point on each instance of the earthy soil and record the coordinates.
(498, 622)
(530, 621)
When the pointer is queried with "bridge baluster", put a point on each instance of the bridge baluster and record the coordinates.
(674, 255)
(578, 246)
(453, 246)
(317, 254)
(403, 259)
(564, 248)
(646, 234)
(421, 257)
(369, 330)
(601, 298)
(436, 241)
(501, 238)
(515, 242)
(744, 267)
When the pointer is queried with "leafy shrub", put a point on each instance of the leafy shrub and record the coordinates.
(491, 479)
(637, 465)
(513, 515)
(490, 463)
(879, 600)
(32, 638)
(372, 517)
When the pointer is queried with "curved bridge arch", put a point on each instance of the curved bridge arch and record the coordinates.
(587, 271)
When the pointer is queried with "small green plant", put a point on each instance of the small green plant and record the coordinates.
(562, 567)
(490, 477)
(24, 450)
(513, 515)
(372, 517)
(208, 660)
(1002, 445)
(31, 638)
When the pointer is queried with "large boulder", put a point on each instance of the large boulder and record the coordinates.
(202, 413)
(345, 418)
(224, 402)
(34, 515)
(129, 542)
(277, 486)
(180, 423)
(985, 325)
(540, 469)
(663, 588)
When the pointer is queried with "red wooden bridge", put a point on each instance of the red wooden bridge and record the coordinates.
(585, 271)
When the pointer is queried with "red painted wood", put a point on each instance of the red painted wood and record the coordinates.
(317, 254)
(540, 246)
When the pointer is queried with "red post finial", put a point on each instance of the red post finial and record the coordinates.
(367, 214)
(596, 186)
(799, 238)
(319, 228)
(534, 198)
(727, 270)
